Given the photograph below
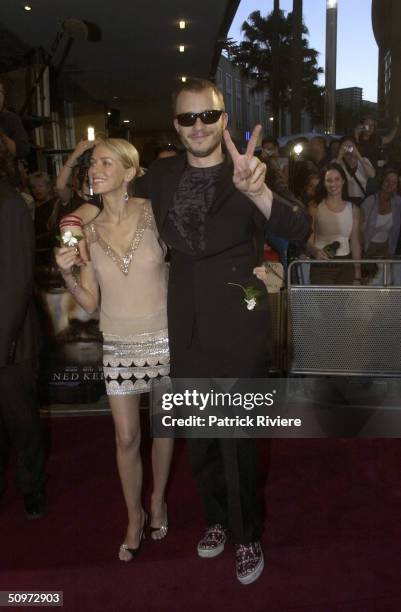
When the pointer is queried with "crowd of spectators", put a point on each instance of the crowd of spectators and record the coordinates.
(371, 187)
(362, 220)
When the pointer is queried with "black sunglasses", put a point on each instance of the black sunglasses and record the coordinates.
(207, 116)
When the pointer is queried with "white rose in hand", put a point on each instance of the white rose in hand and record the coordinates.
(69, 239)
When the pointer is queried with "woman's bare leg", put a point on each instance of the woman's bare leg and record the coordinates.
(125, 411)
(162, 452)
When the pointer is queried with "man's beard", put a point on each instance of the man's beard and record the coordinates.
(205, 152)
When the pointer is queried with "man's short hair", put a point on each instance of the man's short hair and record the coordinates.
(349, 137)
(320, 139)
(195, 84)
(270, 139)
(165, 146)
(389, 170)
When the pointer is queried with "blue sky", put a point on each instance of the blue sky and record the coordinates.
(357, 54)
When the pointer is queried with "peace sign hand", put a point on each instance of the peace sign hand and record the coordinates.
(249, 171)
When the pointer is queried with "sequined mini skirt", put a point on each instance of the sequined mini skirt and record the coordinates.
(131, 364)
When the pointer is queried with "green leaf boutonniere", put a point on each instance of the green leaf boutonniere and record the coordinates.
(252, 295)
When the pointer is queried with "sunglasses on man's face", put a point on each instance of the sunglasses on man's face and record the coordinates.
(207, 116)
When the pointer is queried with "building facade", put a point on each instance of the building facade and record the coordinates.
(386, 20)
(350, 98)
(245, 107)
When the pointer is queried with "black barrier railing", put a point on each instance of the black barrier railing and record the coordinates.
(344, 330)
(391, 270)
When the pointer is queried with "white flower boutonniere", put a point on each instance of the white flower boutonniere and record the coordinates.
(68, 239)
(251, 303)
(252, 295)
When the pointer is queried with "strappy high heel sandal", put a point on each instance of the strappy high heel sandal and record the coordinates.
(158, 533)
(142, 535)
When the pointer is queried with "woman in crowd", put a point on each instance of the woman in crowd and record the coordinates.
(335, 220)
(126, 277)
(270, 154)
(73, 190)
(358, 170)
(381, 219)
(72, 185)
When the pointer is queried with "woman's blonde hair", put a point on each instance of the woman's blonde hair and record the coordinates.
(125, 151)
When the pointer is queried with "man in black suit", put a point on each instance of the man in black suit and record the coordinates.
(19, 418)
(212, 211)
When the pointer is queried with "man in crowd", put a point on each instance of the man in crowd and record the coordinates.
(369, 141)
(19, 419)
(166, 150)
(318, 159)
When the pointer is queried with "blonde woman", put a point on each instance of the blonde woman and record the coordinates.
(126, 277)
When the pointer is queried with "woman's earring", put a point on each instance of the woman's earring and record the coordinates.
(90, 187)
(126, 196)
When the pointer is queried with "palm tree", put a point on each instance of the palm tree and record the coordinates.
(255, 56)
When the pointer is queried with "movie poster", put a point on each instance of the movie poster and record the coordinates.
(71, 359)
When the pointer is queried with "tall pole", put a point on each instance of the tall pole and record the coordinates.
(296, 68)
(276, 69)
(331, 66)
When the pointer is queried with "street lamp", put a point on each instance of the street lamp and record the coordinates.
(275, 50)
(331, 66)
(296, 68)
(294, 168)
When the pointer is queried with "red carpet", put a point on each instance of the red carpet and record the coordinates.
(332, 539)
